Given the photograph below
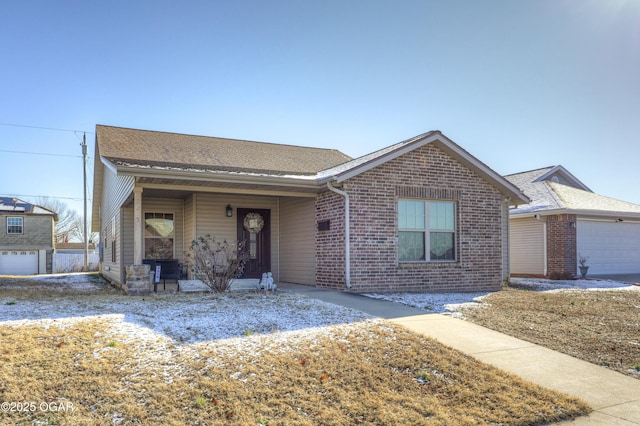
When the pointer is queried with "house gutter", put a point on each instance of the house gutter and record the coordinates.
(347, 236)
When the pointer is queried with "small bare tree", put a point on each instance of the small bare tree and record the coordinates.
(216, 263)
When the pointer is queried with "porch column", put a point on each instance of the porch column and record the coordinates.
(137, 226)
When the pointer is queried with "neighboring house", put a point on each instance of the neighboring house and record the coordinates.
(26, 238)
(420, 215)
(566, 220)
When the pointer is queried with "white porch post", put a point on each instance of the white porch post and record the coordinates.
(137, 226)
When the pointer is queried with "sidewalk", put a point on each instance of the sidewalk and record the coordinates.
(614, 397)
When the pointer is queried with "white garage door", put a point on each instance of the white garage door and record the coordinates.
(612, 247)
(18, 262)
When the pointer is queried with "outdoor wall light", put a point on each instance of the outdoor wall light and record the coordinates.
(573, 225)
(229, 210)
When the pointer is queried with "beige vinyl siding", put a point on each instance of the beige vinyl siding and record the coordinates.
(211, 219)
(115, 192)
(297, 241)
(527, 246)
(504, 217)
(189, 221)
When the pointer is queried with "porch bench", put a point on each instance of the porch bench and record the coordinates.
(170, 269)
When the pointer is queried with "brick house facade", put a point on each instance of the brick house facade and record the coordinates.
(454, 209)
(426, 173)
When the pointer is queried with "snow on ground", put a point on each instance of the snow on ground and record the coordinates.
(450, 303)
(239, 321)
(233, 317)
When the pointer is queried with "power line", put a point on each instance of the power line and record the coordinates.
(46, 196)
(44, 128)
(41, 153)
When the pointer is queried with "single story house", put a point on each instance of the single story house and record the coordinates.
(564, 221)
(26, 238)
(419, 215)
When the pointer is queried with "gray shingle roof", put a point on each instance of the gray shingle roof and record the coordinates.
(145, 148)
(565, 194)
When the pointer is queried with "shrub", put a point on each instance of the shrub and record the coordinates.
(216, 263)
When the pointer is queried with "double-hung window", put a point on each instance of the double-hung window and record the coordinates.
(158, 235)
(15, 225)
(426, 230)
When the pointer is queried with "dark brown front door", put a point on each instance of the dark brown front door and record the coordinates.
(254, 229)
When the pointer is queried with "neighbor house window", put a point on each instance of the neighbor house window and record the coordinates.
(15, 225)
(158, 235)
(426, 227)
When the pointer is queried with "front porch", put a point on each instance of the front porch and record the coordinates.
(160, 225)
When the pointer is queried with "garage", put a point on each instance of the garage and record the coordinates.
(612, 247)
(18, 262)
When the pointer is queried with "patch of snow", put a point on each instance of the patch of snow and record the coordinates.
(452, 303)
(182, 318)
(437, 303)
(540, 284)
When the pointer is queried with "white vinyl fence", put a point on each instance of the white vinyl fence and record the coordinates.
(73, 262)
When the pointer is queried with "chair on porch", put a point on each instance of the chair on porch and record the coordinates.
(170, 269)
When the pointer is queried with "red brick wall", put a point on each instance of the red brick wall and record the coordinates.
(426, 173)
(561, 244)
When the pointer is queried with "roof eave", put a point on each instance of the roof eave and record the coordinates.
(577, 212)
(302, 182)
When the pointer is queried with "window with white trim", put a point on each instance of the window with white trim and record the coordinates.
(15, 225)
(158, 235)
(426, 226)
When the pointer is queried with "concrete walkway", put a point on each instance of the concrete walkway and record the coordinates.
(614, 397)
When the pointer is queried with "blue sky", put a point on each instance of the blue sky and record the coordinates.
(519, 84)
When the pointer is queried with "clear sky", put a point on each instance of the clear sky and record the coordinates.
(519, 84)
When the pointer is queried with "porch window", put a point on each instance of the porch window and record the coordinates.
(158, 235)
(426, 226)
(15, 225)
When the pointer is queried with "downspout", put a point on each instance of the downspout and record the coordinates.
(347, 236)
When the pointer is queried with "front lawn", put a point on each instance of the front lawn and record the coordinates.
(241, 359)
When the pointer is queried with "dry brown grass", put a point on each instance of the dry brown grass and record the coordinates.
(367, 375)
(602, 327)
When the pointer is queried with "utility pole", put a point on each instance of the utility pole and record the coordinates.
(86, 233)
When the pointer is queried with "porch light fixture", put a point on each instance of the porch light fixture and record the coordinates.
(229, 210)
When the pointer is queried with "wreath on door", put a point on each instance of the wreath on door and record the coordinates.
(253, 222)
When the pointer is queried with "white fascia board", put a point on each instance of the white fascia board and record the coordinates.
(579, 214)
(560, 168)
(220, 177)
(109, 165)
(469, 160)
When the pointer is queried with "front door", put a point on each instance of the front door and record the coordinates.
(254, 229)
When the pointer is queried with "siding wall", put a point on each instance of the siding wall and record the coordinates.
(211, 219)
(37, 233)
(428, 173)
(115, 192)
(297, 244)
(506, 269)
(527, 246)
